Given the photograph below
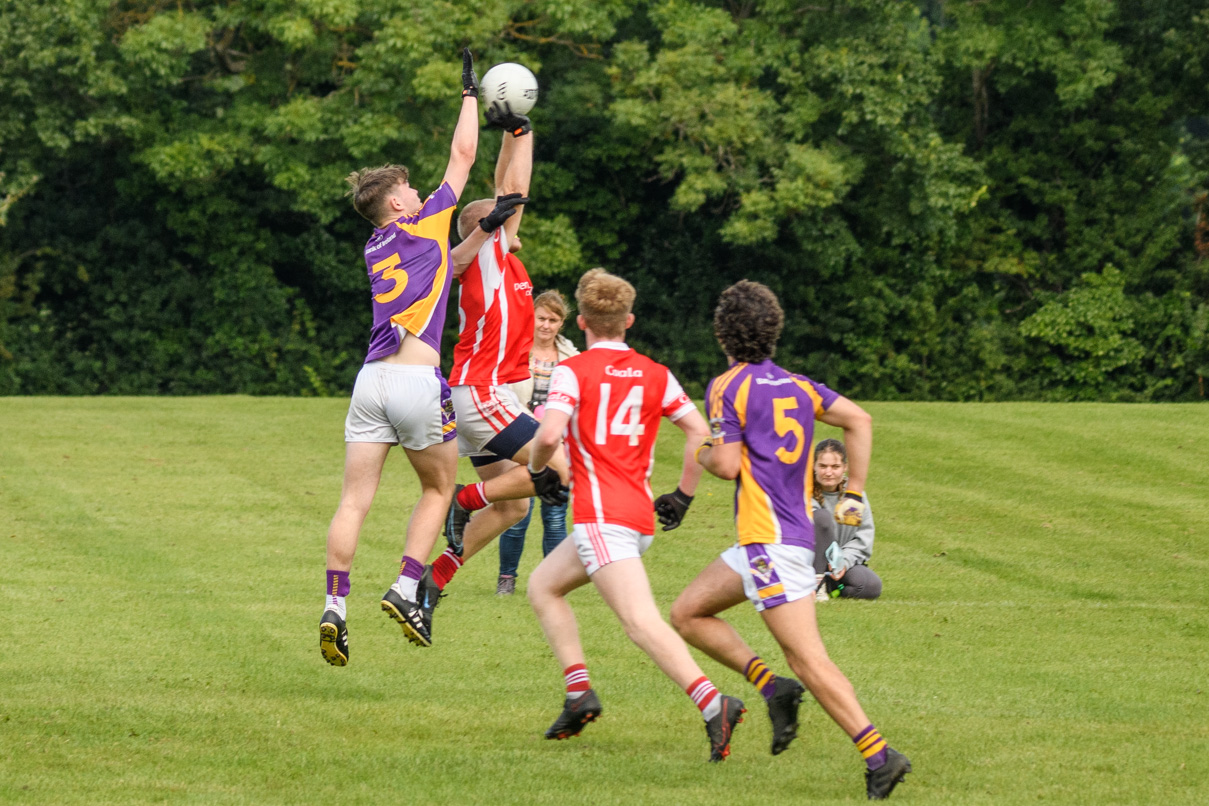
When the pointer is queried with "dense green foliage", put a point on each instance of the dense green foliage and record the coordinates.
(955, 200)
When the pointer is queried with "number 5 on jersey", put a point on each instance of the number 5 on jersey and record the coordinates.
(787, 425)
(626, 421)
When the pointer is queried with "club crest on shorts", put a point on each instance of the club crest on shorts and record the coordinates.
(762, 568)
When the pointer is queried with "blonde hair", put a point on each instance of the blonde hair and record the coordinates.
(472, 214)
(369, 188)
(553, 302)
(605, 300)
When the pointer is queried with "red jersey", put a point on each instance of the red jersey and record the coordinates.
(495, 309)
(616, 398)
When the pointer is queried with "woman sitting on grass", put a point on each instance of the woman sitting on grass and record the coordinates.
(853, 579)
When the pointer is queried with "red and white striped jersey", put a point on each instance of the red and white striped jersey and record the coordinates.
(616, 398)
(495, 309)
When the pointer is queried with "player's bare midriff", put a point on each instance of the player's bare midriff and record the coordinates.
(414, 351)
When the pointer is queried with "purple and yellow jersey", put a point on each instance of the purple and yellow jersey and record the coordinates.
(409, 274)
(772, 412)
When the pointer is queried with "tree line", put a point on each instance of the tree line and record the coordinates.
(975, 200)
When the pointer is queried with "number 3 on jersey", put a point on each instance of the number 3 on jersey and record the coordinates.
(626, 421)
(389, 272)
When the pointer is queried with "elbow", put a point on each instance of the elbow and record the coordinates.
(548, 439)
(466, 148)
(860, 421)
(729, 471)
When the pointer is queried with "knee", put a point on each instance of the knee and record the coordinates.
(866, 585)
(512, 511)
(872, 589)
(681, 617)
(354, 504)
(636, 631)
(535, 590)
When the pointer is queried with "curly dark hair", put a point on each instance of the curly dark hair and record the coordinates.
(748, 321)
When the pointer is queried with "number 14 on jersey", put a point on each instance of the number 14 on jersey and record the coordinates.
(625, 422)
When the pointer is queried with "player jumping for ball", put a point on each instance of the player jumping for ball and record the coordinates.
(400, 396)
(495, 307)
(610, 400)
(762, 422)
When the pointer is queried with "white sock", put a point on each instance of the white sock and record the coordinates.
(713, 709)
(336, 603)
(407, 587)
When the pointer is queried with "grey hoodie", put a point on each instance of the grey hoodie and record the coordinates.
(855, 541)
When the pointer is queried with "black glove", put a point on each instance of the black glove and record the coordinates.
(505, 206)
(670, 507)
(549, 487)
(501, 116)
(470, 81)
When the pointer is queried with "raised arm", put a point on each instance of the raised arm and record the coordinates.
(463, 254)
(466, 133)
(514, 167)
(506, 208)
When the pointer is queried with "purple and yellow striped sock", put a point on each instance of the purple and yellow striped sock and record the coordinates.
(761, 677)
(337, 583)
(872, 746)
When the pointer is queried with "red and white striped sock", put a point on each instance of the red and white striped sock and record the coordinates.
(445, 567)
(577, 680)
(472, 497)
(705, 697)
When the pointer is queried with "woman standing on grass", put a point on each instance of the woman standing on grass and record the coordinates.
(853, 579)
(549, 348)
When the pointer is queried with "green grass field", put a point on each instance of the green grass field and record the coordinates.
(1042, 637)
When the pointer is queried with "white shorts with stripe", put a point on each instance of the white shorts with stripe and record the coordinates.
(402, 403)
(599, 544)
(483, 413)
(773, 573)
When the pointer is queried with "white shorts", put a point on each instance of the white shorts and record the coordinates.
(773, 573)
(601, 544)
(492, 423)
(400, 403)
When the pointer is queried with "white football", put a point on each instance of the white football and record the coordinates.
(512, 83)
